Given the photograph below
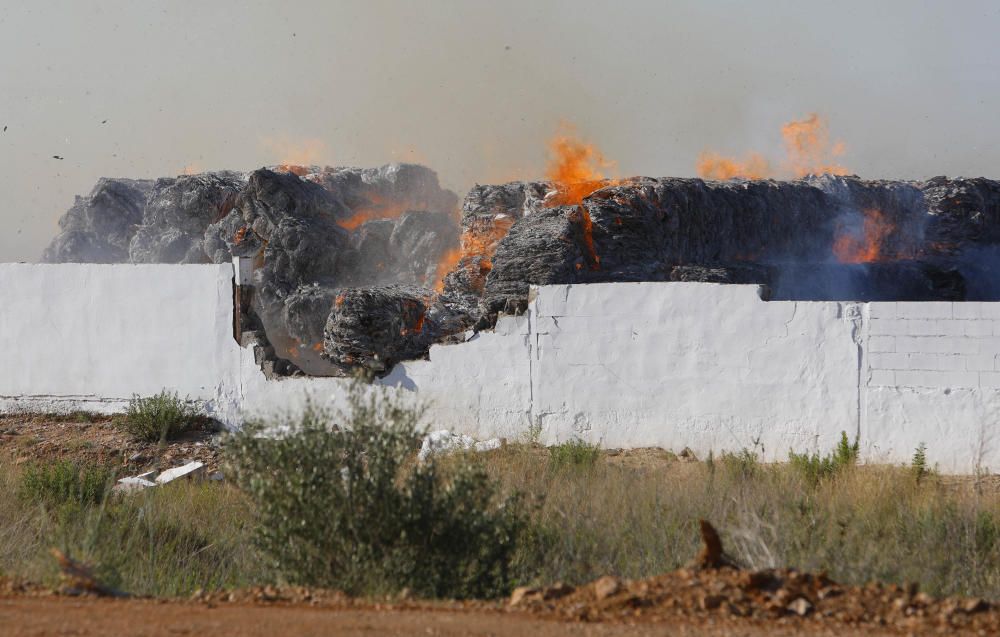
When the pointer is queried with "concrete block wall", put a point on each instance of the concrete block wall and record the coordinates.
(706, 366)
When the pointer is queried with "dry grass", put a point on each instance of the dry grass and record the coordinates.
(632, 515)
(168, 541)
(636, 519)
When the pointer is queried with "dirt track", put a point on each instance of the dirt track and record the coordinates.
(55, 616)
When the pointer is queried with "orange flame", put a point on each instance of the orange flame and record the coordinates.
(808, 150)
(379, 209)
(575, 168)
(295, 156)
(866, 247)
(715, 166)
(807, 144)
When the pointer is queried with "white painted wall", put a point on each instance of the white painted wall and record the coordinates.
(705, 366)
(90, 336)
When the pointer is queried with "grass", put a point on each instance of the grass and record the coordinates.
(163, 542)
(590, 514)
(158, 418)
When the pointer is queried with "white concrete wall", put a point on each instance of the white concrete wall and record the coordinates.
(90, 336)
(705, 366)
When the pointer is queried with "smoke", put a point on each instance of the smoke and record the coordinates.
(475, 89)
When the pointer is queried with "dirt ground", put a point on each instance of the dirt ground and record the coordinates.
(96, 439)
(55, 616)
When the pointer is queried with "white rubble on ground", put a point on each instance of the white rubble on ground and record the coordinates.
(444, 441)
(192, 470)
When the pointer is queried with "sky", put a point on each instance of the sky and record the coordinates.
(476, 89)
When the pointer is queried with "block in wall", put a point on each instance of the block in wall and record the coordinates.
(881, 378)
(889, 327)
(882, 310)
(888, 361)
(937, 362)
(979, 362)
(935, 327)
(937, 379)
(980, 328)
(944, 345)
(923, 310)
(882, 344)
(976, 310)
(989, 380)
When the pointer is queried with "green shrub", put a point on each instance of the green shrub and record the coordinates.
(65, 481)
(919, 464)
(574, 453)
(347, 507)
(815, 468)
(158, 418)
(744, 464)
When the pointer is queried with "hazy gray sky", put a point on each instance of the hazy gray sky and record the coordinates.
(911, 88)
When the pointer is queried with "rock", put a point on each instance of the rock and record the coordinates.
(444, 441)
(711, 602)
(557, 591)
(975, 605)
(130, 485)
(99, 227)
(800, 606)
(191, 470)
(606, 586)
(523, 594)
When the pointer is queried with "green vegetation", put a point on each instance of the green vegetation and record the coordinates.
(815, 468)
(349, 507)
(575, 454)
(346, 507)
(158, 418)
(65, 481)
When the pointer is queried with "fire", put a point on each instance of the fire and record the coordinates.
(715, 166)
(296, 156)
(379, 209)
(807, 144)
(575, 168)
(864, 246)
(449, 260)
(808, 150)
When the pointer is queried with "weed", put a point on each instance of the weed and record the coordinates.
(65, 481)
(919, 463)
(815, 468)
(574, 453)
(157, 418)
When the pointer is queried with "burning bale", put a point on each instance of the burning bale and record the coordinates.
(374, 328)
(363, 268)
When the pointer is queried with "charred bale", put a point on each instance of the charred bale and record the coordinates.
(488, 213)
(99, 227)
(645, 227)
(177, 214)
(379, 192)
(544, 247)
(963, 214)
(376, 327)
(289, 225)
(746, 273)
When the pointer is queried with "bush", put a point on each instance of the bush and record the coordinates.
(815, 468)
(158, 418)
(66, 482)
(574, 453)
(347, 507)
